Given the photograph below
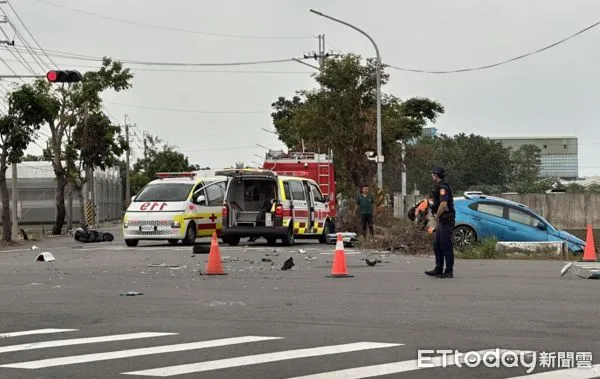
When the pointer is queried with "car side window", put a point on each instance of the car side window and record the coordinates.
(491, 209)
(215, 194)
(298, 193)
(196, 194)
(286, 189)
(318, 196)
(522, 217)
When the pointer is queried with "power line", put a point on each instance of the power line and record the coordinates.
(192, 70)
(10, 68)
(22, 60)
(502, 62)
(187, 110)
(182, 64)
(30, 34)
(133, 22)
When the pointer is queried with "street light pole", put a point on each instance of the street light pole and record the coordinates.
(379, 158)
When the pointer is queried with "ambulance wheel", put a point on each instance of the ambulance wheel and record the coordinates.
(323, 237)
(289, 239)
(131, 243)
(271, 241)
(233, 241)
(190, 234)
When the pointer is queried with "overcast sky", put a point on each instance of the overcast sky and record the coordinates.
(551, 93)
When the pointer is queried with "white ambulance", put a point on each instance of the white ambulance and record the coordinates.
(177, 206)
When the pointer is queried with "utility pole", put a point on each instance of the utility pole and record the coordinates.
(321, 54)
(13, 214)
(127, 184)
(379, 158)
(15, 195)
(403, 168)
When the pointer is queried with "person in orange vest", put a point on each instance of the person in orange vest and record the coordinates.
(421, 212)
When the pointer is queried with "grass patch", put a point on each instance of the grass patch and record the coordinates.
(485, 249)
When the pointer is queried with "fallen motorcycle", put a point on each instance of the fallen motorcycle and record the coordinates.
(91, 235)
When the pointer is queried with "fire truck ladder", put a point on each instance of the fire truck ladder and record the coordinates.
(324, 178)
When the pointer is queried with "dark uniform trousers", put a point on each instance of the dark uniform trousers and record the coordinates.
(443, 245)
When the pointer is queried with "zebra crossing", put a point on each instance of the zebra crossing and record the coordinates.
(236, 362)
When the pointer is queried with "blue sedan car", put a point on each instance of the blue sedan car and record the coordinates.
(480, 216)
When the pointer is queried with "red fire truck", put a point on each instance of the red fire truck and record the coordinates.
(316, 166)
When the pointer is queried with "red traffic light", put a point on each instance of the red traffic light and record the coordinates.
(56, 76)
(52, 76)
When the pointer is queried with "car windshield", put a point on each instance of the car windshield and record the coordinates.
(165, 192)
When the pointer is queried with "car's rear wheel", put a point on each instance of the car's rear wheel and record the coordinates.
(289, 239)
(464, 236)
(323, 236)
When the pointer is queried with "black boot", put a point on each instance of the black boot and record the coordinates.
(434, 272)
(446, 275)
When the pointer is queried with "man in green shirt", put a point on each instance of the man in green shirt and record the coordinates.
(366, 210)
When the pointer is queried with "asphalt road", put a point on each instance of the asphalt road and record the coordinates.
(261, 322)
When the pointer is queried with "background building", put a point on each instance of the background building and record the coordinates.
(429, 132)
(36, 196)
(559, 155)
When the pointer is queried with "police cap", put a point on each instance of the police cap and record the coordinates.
(439, 171)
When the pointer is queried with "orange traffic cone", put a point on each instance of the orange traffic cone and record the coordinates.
(214, 267)
(339, 269)
(589, 254)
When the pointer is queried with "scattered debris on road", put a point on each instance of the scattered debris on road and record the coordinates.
(201, 249)
(131, 293)
(217, 303)
(288, 264)
(371, 261)
(162, 265)
(45, 257)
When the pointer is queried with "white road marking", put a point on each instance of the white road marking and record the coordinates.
(260, 358)
(345, 253)
(62, 361)
(37, 331)
(570, 373)
(390, 368)
(79, 341)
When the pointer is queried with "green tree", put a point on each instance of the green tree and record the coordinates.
(164, 159)
(593, 188)
(526, 164)
(95, 143)
(76, 101)
(470, 161)
(575, 188)
(28, 110)
(341, 116)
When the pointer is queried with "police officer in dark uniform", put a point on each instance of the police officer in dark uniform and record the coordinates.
(443, 210)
